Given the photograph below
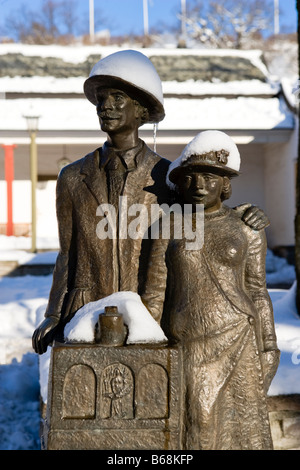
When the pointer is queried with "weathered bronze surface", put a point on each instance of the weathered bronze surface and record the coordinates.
(89, 268)
(110, 328)
(214, 303)
(113, 398)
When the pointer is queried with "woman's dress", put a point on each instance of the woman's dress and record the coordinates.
(214, 304)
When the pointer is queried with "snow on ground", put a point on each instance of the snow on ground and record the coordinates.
(19, 390)
(287, 378)
(22, 303)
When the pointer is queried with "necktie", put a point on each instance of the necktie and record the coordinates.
(116, 174)
(117, 165)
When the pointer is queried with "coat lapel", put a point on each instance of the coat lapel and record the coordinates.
(129, 249)
(95, 178)
(133, 188)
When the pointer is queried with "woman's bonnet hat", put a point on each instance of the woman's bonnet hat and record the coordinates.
(211, 151)
(132, 72)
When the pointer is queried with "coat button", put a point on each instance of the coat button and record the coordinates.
(251, 320)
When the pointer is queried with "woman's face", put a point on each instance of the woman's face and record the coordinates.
(202, 188)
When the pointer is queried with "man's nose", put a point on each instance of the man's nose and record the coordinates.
(106, 103)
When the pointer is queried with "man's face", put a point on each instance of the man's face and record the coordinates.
(202, 188)
(117, 112)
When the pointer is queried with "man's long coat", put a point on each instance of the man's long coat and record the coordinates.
(89, 268)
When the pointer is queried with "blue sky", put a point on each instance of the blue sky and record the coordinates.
(126, 16)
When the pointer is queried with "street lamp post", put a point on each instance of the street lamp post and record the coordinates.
(146, 20)
(32, 126)
(92, 20)
(183, 19)
(276, 17)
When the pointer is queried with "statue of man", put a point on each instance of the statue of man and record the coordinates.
(127, 93)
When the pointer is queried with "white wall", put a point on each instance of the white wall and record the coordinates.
(280, 190)
(249, 185)
(46, 213)
(267, 179)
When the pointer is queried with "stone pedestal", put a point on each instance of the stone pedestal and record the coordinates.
(113, 398)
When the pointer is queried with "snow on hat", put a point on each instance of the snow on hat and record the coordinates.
(210, 150)
(132, 72)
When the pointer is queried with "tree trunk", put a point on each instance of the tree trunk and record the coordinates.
(297, 218)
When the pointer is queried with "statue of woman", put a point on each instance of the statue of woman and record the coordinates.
(213, 302)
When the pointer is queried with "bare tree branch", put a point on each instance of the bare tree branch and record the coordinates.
(228, 23)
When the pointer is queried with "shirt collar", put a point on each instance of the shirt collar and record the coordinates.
(128, 157)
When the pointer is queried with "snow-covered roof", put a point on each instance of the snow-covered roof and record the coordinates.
(54, 85)
(185, 114)
(79, 53)
(189, 105)
(175, 65)
(223, 113)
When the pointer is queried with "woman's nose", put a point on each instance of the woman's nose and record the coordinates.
(199, 181)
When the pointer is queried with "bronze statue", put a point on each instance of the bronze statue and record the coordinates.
(127, 93)
(213, 302)
(89, 268)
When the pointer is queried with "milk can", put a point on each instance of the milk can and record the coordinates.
(110, 328)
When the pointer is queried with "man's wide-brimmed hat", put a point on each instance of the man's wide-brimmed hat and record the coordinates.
(132, 72)
(211, 151)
